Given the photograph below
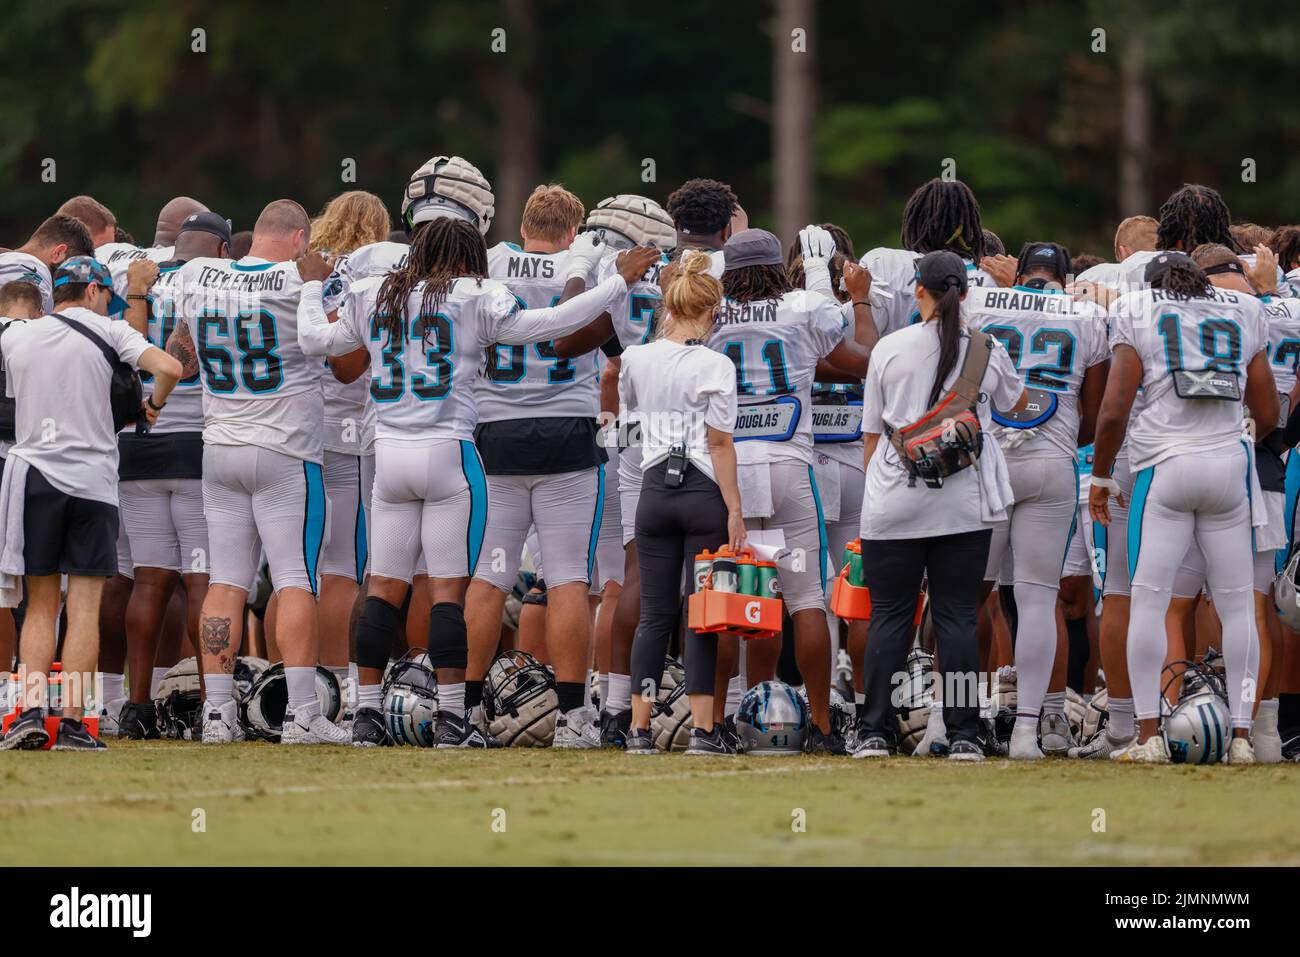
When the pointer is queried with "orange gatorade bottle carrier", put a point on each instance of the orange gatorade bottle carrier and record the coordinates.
(730, 599)
(850, 597)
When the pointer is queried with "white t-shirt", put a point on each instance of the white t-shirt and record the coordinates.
(61, 380)
(674, 392)
(897, 393)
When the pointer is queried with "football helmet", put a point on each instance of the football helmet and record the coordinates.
(628, 220)
(843, 715)
(261, 714)
(911, 729)
(178, 701)
(247, 670)
(1095, 715)
(670, 720)
(410, 700)
(674, 675)
(520, 701)
(1286, 592)
(448, 186)
(1197, 729)
(772, 719)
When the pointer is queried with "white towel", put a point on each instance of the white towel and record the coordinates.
(996, 496)
(13, 490)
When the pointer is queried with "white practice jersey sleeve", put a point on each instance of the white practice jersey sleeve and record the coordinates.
(530, 378)
(1052, 340)
(1283, 318)
(20, 267)
(633, 313)
(260, 388)
(1224, 331)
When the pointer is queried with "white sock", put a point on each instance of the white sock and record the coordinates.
(735, 692)
(156, 682)
(586, 689)
(369, 696)
(1027, 721)
(221, 689)
(301, 684)
(1121, 717)
(859, 697)
(1266, 717)
(451, 698)
(620, 694)
(1054, 702)
(114, 687)
(602, 679)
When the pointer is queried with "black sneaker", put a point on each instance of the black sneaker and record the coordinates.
(857, 739)
(872, 746)
(73, 736)
(729, 734)
(138, 722)
(640, 742)
(453, 732)
(709, 743)
(965, 751)
(27, 733)
(369, 730)
(819, 743)
(614, 728)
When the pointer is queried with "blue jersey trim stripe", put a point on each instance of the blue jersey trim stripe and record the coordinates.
(313, 520)
(360, 546)
(472, 468)
(823, 547)
(1141, 488)
(1289, 509)
(596, 519)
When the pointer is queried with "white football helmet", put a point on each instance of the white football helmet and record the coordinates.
(670, 721)
(1197, 729)
(628, 220)
(248, 668)
(261, 714)
(178, 700)
(911, 729)
(520, 701)
(1095, 715)
(448, 186)
(772, 719)
(1286, 592)
(410, 700)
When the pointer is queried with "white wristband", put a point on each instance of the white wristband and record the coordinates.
(1109, 484)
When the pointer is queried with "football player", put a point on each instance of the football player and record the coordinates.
(161, 488)
(1059, 345)
(775, 336)
(430, 488)
(58, 238)
(353, 229)
(99, 219)
(1189, 347)
(700, 212)
(263, 448)
(544, 469)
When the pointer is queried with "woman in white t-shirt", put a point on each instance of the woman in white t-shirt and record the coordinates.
(911, 531)
(683, 396)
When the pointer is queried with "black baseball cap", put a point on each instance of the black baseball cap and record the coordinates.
(941, 270)
(1051, 256)
(1163, 262)
(207, 222)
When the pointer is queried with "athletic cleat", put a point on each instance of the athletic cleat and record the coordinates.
(640, 741)
(1102, 745)
(27, 733)
(965, 751)
(1024, 744)
(872, 746)
(730, 736)
(1241, 752)
(109, 722)
(221, 725)
(452, 732)
(614, 728)
(318, 730)
(73, 736)
(856, 740)
(1150, 751)
(1055, 733)
(709, 743)
(576, 731)
(368, 730)
(138, 722)
(819, 743)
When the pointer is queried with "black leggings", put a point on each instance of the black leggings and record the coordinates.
(673, 525)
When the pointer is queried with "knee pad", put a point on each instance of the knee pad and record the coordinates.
(448, 639)
(375, 629)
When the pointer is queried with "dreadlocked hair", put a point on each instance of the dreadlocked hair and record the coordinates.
(1183, 279)
(1193, 216)
(753, 283)
(943, 214)
(1286, 243)
(442, 251)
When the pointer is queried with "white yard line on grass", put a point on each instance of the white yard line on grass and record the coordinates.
(146, 797)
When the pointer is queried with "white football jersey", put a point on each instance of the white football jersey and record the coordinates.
(634, 314)
(119, 256)
(422, 383)
(1052, 339)
(349, 413)
(260, 389)
(1283, 318)
(22, 267)
(1224, 331)
(774, 345)
(893, 286)
(530, 379)
(184, 411)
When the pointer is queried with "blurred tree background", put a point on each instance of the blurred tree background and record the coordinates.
(1058, 136)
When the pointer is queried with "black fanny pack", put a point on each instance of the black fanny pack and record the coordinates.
(125, 393)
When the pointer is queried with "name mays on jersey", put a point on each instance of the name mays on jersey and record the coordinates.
(530, 267)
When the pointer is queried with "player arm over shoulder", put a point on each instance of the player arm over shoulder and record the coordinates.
(852, 353)
(317, 336)
(140, 277)
(135, 350)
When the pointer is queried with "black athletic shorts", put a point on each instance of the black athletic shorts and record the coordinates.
(75, 536)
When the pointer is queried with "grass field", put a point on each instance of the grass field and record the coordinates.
(263, 804)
